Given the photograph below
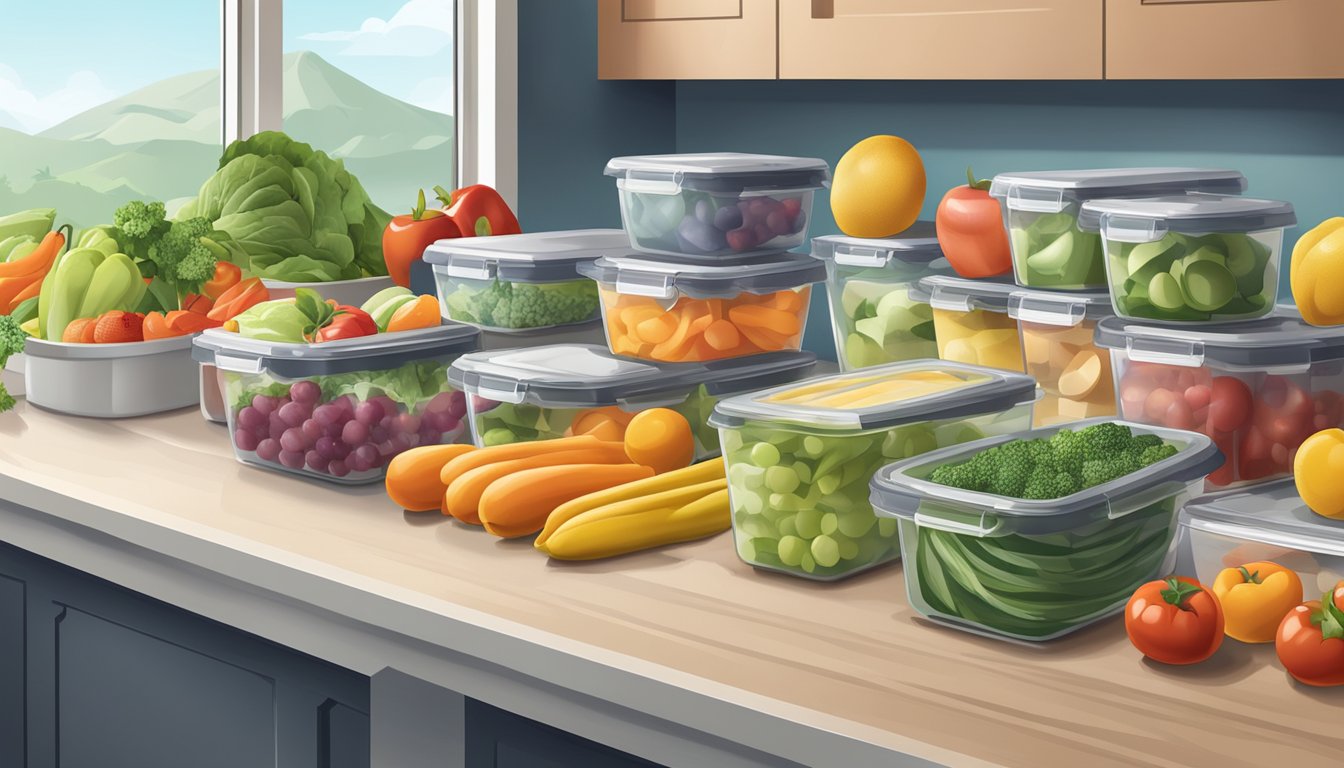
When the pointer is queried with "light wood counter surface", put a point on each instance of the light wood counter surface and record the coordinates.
(832, 675)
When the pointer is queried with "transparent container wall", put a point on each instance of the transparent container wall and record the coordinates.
(503, 305)
(686, 329)
(800, 501)
(1049, 251)
(978, 337)
(1211, 552)
(1038, 587)
(1192, 279)
(1256, 418)
(343, 428)
(1073, 372)
(496, 423)
(704, 226)
(874, 318)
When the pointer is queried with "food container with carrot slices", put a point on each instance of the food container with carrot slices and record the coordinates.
(339, 411)
(717, 206)
(548, 392)
(971, 320)
(528, 282)
(1057, 346)
(111, 381)
(800, 456)
(681, 313)
(869, 283)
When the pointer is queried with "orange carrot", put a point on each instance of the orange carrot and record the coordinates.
(462, 498)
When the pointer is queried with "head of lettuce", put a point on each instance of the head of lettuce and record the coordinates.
(299, 215)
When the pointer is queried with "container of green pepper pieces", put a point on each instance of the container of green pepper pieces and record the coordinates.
(800, 456)
(522, 283)
(1035, 535)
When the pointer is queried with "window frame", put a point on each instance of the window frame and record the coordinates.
(485, 133)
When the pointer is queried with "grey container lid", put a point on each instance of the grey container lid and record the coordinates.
(534, 257)
(902, 490)
(918, 244)
(1279, 339)
(1051, 191)
(1144, 220)
(729, 173)
(384, 351)
(1059, 307)
(987, 391)
(586, 376)
(1272, 513)
(664, 279)
(963, 294)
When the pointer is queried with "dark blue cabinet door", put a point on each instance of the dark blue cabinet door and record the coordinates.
(500, 739)
(13, 625)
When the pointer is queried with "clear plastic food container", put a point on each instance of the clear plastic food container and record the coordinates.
(1041, 211)
(510, 283)
(1258, 387)
(1036, 570)
(800, 456)
(111, 381)
(718, 205)
(680, 313)
(971, 322)
(1191, 258)
(1058, 348)
(869, 284)
(349, 292)
(1268, 523)
(548, 392)
(339, 411)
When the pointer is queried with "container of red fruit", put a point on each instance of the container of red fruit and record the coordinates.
(1258, 388)
(336, 408)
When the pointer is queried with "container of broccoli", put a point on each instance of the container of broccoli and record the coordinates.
(800, 456)
(1035, 535)
(869, 283)
(546, 392)
(510, 283)
(1041, 212)
(1192, 258)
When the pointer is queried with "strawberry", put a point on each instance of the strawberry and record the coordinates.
(116, 327)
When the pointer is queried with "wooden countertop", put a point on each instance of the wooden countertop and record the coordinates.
(849, 661)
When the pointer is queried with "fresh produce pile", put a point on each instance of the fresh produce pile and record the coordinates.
(512, 304)
(1257, 421)
(1049, 251)
(880, 322)
(698, 223)
(1075, 376)
(693, 330)
(28, 249)
(307, 318)
(978, 337)
(1183, 278)
(1061, 465)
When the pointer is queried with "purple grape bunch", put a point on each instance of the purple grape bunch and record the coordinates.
(341, 436)
(741, 225)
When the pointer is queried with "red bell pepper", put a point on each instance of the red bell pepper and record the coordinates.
(407, 237)
(479, 211)
(348, 323)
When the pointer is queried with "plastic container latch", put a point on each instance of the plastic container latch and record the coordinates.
(1166, 351)
(956, 302)
(1046, 312)
(668, 185)
(653, 285)
(473, 269)
(501, 391)
(952, 518)
(1127, 229)
(227, 362)
(859, 256)
(1035, 200)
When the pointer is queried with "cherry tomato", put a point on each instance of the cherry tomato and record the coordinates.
(1156, 405)
(1225, 474)
(1310, 641)
(1175, 621)
(1230, 407)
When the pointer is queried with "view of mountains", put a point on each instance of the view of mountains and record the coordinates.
(163, 141)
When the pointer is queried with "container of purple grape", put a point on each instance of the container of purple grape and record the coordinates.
(339, 411)
(717, 206)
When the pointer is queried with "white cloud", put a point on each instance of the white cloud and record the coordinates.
(434, 93)
(419, 28)
(33, 113)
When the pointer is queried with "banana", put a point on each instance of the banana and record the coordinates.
(617, 530)
(680, 479)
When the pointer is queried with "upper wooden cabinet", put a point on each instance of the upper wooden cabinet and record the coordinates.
(940, 39)
(1209, 39)
(686, 39)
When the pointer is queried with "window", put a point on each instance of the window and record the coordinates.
(103, 102)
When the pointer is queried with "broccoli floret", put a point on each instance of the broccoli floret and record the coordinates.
(1101, 441)
(1155, 453)
(181, 258)
(12, 339)
(141, 221)
(1067, 447)
(1145, 441)
(1098, 471)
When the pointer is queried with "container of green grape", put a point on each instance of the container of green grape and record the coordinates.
(800, 456)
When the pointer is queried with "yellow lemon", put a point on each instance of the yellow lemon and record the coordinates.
(878, 187)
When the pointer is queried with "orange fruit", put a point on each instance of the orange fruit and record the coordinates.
(878, 187)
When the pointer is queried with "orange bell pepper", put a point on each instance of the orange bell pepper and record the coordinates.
(179, 322)
(226, 276)
(238, 299)
(1255, 598)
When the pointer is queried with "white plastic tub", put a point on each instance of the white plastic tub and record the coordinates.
(111, 380)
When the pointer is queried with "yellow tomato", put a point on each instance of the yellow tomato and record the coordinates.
(1255, 598)
(1318, 471)
(1317, 274)
(878, 187)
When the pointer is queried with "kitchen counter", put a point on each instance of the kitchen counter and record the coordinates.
(683, 656)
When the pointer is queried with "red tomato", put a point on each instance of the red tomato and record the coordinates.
(349, 323)
(1225, 474)
(971, 232)
(1230, 407)
(1310, 641)
(1179, 415)
(1174, 621)
(407, 237)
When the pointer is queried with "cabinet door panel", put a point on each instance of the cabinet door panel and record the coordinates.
(686, 39)
(1224, 39)
(13, 625)
(940, 39)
